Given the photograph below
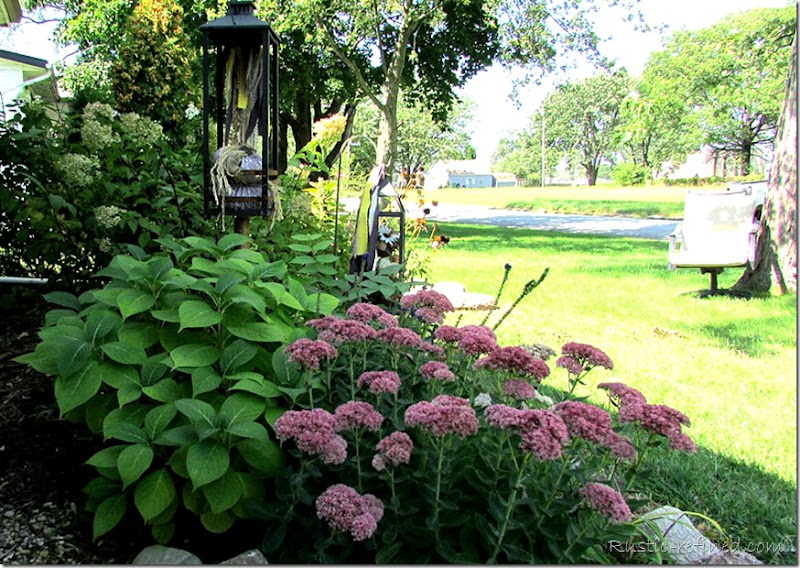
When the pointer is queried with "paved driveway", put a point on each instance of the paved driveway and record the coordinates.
(658, 229)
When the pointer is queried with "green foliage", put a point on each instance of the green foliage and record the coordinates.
(581, 119)
(728, 79)
(476, 496)
(171, 362)
(629, 173)
(79, 188)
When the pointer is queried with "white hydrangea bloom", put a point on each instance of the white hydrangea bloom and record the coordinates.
(483, 400)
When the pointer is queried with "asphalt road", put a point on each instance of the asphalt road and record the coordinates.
(658, 229)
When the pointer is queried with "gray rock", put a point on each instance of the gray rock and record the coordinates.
(249, 558)
(684, 543)
(730, 557)
(165, 555)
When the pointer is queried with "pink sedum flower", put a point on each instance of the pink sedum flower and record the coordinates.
(482, 329)
(587, 355)
(585, 420)
(621, 394)
(476, 343)
(399, 337)
(503, 416)
(314, 432)
(394, 449)
(429, 315)
(345, 510)
(514, 360)
(662, 420)
(369, 313)
(427, 299)
(379, 382)
(443, 416)
(519, 389)
(357, 414)
(436, 370)
(683, 443)
(607, 502)
(339, 330)
(309, 352)
(448, 334)
(571, 364)
(433, 351)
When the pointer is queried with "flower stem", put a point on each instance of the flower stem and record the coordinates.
(352, 377)
(549, 502)
(438, 486)
(358, 458)
(511, 502)
(563, 557)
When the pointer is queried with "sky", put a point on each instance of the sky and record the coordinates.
(496, 115)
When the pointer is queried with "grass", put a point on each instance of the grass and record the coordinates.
(654, 201)
(729, 364)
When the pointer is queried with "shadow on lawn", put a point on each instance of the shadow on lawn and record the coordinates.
(757, 509)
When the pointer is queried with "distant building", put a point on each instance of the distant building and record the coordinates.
(466, 173)
(22, 77)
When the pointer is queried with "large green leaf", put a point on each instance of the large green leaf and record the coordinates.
(138, 334)
(207, 461)
(197, 410)
(132, 414)
(257, 331)
(223, 493)
(128, 393)
(107, 457)
(256, 384)
(263, 455)
(154, 368)
(228, 279)
(217, 523)
(108, 514)
(196, 313)
(204, 379)
(233, 240)
(73, 391)
(118, 376)
(133, 461)
(134, 301)
(154, 494)
(72, 354)
(194, 355)
(64, 299)
(248, 430)
(42, 359)
(167, 390)
(125, 353)
(235, 355)
(158, 419)
(269, 270)
(248, 255)
(126, 432)
(100, 323)
(281, 295)
(108, 296)
(321, 303)
(242, 407)
(241, 294)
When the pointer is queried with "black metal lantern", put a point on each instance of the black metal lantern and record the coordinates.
(242, 102)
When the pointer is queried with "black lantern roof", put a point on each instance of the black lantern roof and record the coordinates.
(240, 18)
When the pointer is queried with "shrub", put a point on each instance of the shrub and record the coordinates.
(629, 173)
(172, 363)
(427, 443)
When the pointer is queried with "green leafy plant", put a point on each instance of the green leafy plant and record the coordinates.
(425, 443)
(172, 363)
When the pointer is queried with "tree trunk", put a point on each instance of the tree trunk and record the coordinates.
(776, 263)
(591, 174)
(387, 129)
(747, 152)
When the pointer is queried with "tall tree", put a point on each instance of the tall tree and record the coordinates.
(582, 117)
(776, 258)
(730, 78)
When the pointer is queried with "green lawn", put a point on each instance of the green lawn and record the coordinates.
(654, 201)
(729, 364)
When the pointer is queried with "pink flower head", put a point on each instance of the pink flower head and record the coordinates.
(346, 511)
(433, 351)
(479, 329)
(339, 330)
(476, 343)
(429, 315)
(587, 355)
(656, 418)
(427, 299)
(314, 432)
(399, 337)
(543, 433)
(514, 360)
(585, 421)
(683, 443)
(621, 394)
(369, 313)
(394, 449)
(519, 389)
(380, 381)
(571, 364)
(356, 414)
(437, 370)
(620, 446)
(309, 352)
(444, 415)
(503, 416)
(607, 501)
(448, 334)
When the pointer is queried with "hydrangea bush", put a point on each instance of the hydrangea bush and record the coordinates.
(418, 442)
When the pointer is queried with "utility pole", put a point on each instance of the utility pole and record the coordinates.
(544, 160)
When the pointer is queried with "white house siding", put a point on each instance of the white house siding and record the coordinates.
(11, 80)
